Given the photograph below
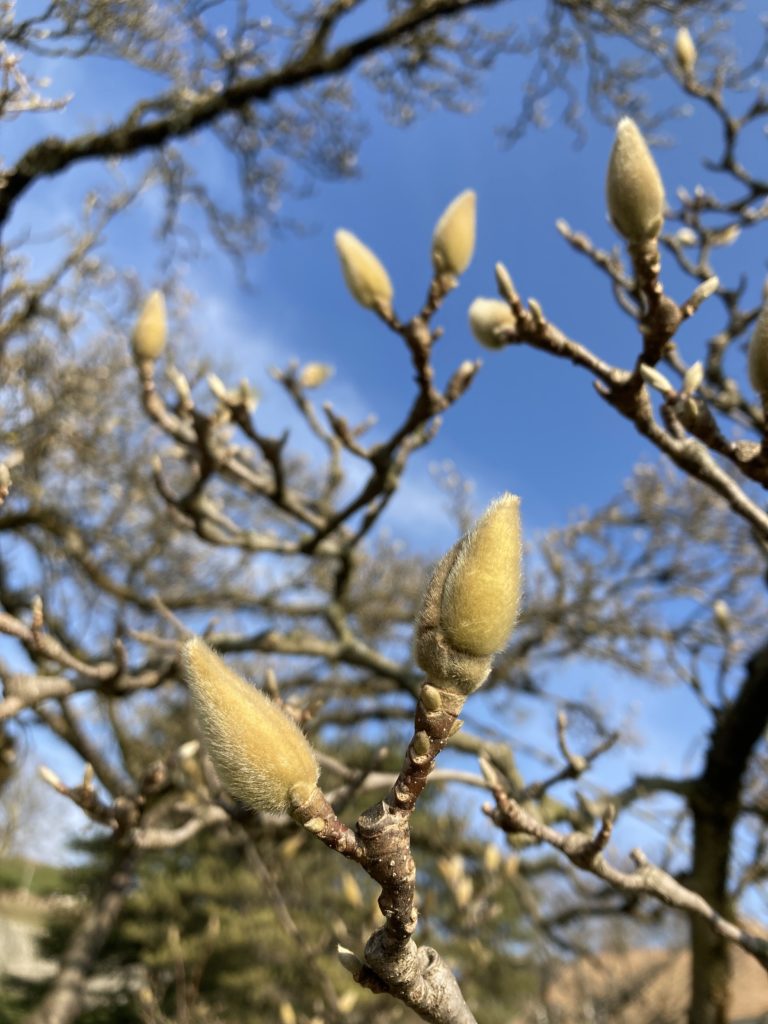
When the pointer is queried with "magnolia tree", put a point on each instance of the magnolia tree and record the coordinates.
(129, 582)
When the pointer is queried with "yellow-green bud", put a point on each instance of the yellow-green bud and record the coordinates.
(489, 320)
(151, 330)
(481, 596)
(314, 374)
(758, 354)
(364, 273)
(453, 240)
(259, 752)
(634, 189)
(693, 377)
(685, 50)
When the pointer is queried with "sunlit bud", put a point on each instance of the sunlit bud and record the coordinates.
(685, 50)
(5, 480)
(693, 377)
(722, 614)
(348, 960)
(453, 240)
(463, 892)
(490, 320)
(287, 1013)
(686, 236)
(151, 330)
(634, 189)
(758, 354)
(364, 273)
(315, 374)
(347, 1001)
(259, 752)
(481, 595)
(656, 379)
(352, 892)
(492, 858)
(217, 387)
(48, 775)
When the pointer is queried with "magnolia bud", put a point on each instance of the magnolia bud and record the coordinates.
(481, 596)
(472, 601)
(151, 330)
(259, 752)
(364, 273)
(489, 320)
(453, 240)
(656, 379)
(693, 377)
(634, 188)
(685, 50)
(314, 374)
(758, 354)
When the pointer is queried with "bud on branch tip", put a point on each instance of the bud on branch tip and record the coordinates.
(758, 354)
(634, 189)
(259, 752)
(151, 330)
(453, 240)
(489, 320)
(366, 277)
(481, 596)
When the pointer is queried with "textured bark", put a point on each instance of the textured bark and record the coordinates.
(64, 1001)
(715, 806)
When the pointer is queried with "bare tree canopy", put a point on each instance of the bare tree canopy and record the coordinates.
(161, 543)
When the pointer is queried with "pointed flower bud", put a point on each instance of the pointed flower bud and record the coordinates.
(453, 240)
(634, 189)
(364, 273)
(259, 752)
(489, 320)
(693, 377)
(314, 374)
(685, 50)
(481, 595)
(472, 601)
(151, 330)
(758, 354)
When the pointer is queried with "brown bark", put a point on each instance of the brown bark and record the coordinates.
(715, 806)
(64, 1001)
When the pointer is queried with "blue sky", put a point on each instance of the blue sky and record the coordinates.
(529, 424)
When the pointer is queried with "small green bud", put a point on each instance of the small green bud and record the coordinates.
(685, 51)
(259, 752)
(490, 320)
(453, 240)
(430, 697)
(420, 744)
(634, 189)
(151, 330)
(364, 273)
(758, 354)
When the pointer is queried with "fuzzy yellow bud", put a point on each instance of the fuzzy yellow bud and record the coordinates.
(151, 330)
(758, 354)
(685, 50)
(481, 596)
(489, 320)
(314, 374)
(259, 752)
(634, 189)
(366, 277)
(453, 240)
(472, 601)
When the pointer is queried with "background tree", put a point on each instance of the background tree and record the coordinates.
(110, 559)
